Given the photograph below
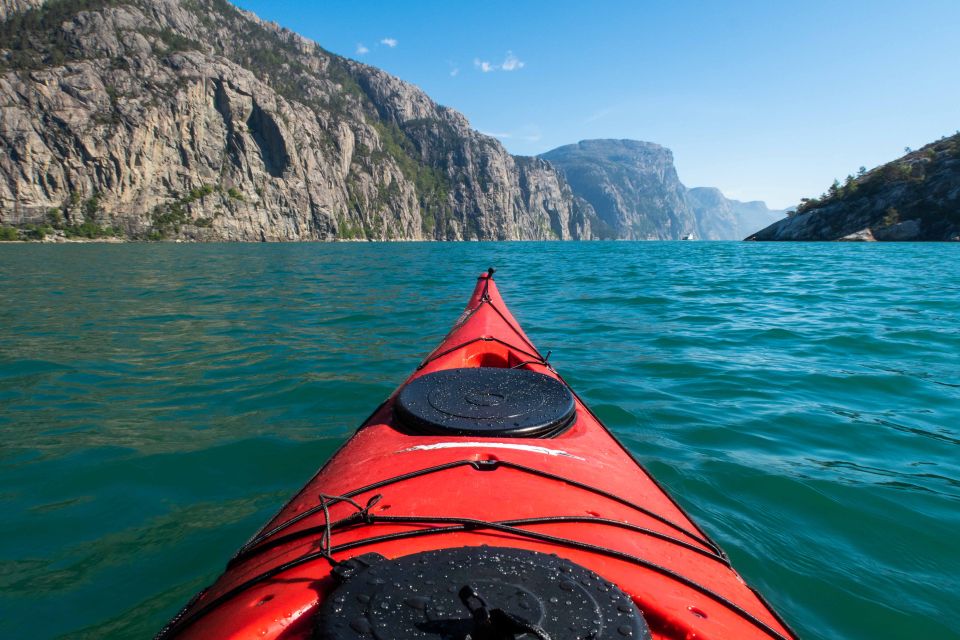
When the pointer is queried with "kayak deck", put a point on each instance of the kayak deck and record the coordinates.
(578, 494)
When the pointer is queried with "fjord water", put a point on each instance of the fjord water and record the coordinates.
(159, 402)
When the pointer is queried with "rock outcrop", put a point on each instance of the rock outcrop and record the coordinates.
(916, 197)
(9, 7)
(635, 191)
(192, 119)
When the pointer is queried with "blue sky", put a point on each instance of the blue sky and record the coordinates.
(765, 100)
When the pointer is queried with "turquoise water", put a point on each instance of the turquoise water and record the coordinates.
(159, 402)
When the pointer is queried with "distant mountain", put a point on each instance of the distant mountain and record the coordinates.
(635, 191)
(633, 187)
(192, 119)
(722, 218)
(916, 197)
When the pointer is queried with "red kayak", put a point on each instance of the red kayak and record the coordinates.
(482, 501)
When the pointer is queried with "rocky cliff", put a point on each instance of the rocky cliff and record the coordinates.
(916, 197)
(634, 188)
(9, 7)
(192, 119)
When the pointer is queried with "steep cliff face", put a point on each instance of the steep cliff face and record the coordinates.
(916, 197)
(9, 7)
(192, 119)
(721, 218)
(632, 186)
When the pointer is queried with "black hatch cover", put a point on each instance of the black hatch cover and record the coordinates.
(476, 593)
(486, 401)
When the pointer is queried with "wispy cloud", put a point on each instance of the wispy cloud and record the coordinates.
(361, 49)
(390, 42)
(454, 72)
(510, 63)
(598, 115)
(532, 136)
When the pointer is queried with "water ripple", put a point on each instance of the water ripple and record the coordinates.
(158, 403)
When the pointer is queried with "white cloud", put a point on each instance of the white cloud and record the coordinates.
(390, 42)
(454, 72)
(361, 49)
(493, 134)
(512, 62)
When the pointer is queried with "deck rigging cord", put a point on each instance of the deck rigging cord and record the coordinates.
(479, 465)
(454, 525)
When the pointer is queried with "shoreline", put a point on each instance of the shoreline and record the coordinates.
(60, 240)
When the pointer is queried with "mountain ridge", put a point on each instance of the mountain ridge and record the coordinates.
(197, 120)
(637, 194)
(145, 119)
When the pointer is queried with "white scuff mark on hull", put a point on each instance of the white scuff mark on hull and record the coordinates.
(491, 445)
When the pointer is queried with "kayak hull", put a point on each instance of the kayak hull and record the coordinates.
(393, 492)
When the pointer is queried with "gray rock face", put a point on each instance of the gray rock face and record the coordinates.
(9, 7)
(191, 119)
(633, 187)
(906, 230)
(914, 198)
(864, 235)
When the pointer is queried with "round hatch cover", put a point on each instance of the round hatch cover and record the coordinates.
(481, 593)
(486, 401)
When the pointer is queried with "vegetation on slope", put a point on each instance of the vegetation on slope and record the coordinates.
(916, 197)
(912, 168)
(35, 38)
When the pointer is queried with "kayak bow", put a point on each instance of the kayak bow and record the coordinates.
(482, 500)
